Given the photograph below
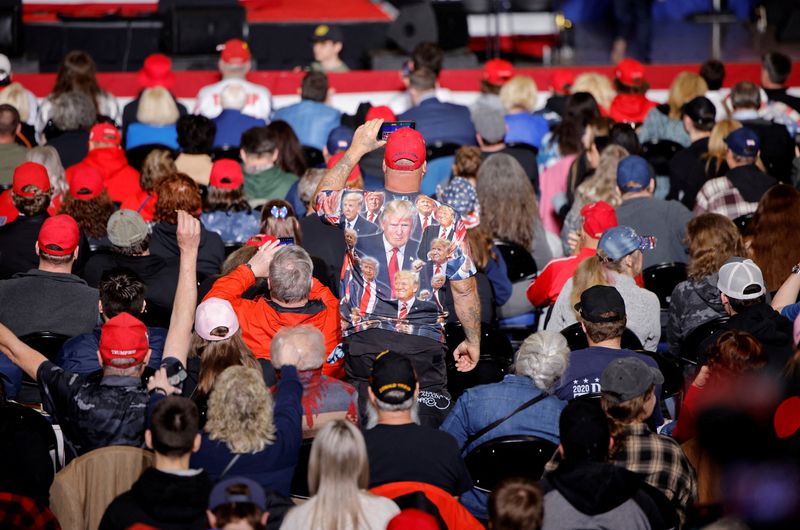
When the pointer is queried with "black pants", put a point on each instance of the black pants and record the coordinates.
(427, 356)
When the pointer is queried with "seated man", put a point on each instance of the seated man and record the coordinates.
(603, 319)
(295, 298)
(11, 153)
(312, 119)
(169, 493)
(437, 121)
(130, 248)
(618, 497)
(539, 363)
(324, 398)
(121, 291)
(232, 122)
(395, 440)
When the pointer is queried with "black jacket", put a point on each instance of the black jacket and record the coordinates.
(779, 94)
(159, 275)
(687, 173)
(772, 330)
(211, 254)
(72, 146)
(777, 147)
(162, 500)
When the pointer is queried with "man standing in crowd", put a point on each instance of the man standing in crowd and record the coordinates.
(394, 250)
(394, 440)
(327, 47)
(11, 153)
(738, 192)
(312, 119)
(666, 220)
(687, 172)
(437, 122)
(234, 64)
(169, 493)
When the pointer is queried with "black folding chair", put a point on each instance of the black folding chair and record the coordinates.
(508, 456)
(313, 157)
(662, 279)
(659, 154)
(299, 487)
(519, 262)
(136, 155)
(743, 222)
(694, 346)
(576, 338)
(440, 150)
(48, 344)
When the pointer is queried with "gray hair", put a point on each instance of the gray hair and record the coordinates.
(305, 342)
(373, 411)
(73, 111)
(47, 156)
(290, 274)
(307, 184)
(543, 357)
(233, 96)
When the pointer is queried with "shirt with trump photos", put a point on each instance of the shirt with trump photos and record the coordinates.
(425, 255)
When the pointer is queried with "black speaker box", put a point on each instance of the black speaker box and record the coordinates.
(11, 27)
(414, 24)
(198, 30)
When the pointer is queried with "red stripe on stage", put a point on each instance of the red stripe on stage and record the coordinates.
(124, 84)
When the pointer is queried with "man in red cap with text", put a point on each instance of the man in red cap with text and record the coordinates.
(234, 65)
(390, 319)
(107, 157)
(597, 218)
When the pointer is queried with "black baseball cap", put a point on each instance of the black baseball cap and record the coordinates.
(393, 379)
(599, 300)
(325, 32)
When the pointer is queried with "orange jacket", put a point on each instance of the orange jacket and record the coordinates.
(121, 180)
(260, 319)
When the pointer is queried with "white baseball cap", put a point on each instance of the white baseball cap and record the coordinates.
(736, 276)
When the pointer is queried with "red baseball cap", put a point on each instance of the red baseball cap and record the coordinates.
(30, 174)
(562, 81)
(156, 71)
(226, 174)
(630, 72)
(105, 133)
(87, 183)
(260, 240)
(381, 111)
(498, 71)
(60, 231)
(235, 51)
(597, 218)
(405, 144)
(353, 176)
(123, 337)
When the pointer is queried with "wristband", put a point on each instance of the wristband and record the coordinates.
(159, 390)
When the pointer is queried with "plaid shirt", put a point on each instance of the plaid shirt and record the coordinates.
(17, 511)
(659, 460)
(720, 196)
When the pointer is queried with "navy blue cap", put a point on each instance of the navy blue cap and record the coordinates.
(743, 142)
(619, 241)
(252, 493)
(339, 139)
(633, 174)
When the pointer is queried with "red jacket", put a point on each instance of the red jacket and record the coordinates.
(544, 290)
(452, 513)
(260, 319)
(122, 181)
(630, 108)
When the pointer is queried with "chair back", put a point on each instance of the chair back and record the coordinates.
(693, 347)
(136, 155)
(48, 344)
(659, 154)
(82, 491)
(438, 172)
(519, 262)
(508, 456)
(672, 371)
(662, 279)
(299, 488)
(576, 338)
(439, 150)
(313, 157)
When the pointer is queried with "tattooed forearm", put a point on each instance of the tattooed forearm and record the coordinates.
(336, 176)
(468, 307)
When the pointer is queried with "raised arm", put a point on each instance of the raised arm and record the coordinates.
(468, 311)
(788, 292)
(28, 359)
(364, 141)
(179, 335)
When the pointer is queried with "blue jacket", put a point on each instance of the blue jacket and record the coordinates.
(481, 405)
(311, 121)
(230, 126)
(79, 354)
(442, 122)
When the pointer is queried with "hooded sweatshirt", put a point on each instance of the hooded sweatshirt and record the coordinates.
(771, 329)
(163, 500)
(630, 108)
(121, 180)
(261, 319)
(272, 183)
(211, 254)
(693, 302)
(750, 182)
(594, 495)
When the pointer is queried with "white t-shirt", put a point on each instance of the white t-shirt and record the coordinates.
(259, 99)
(377, 511)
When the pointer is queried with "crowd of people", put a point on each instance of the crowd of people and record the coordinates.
(242, 317)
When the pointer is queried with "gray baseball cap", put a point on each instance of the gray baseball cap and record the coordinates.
(627, 378)
(126, 228)
(489, 124)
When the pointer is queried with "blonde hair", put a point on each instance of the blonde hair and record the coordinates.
(602, 186)
(597, 85)
(157, 107)
(588, 274)
(338, 470)
(685, 87)
(47, 156)
(717, 148)
(16, 96)
(240, 411)
(519, 93)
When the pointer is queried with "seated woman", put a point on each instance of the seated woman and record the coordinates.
(155, 120)
(89, 204)
(157, 164)
(225, 209)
